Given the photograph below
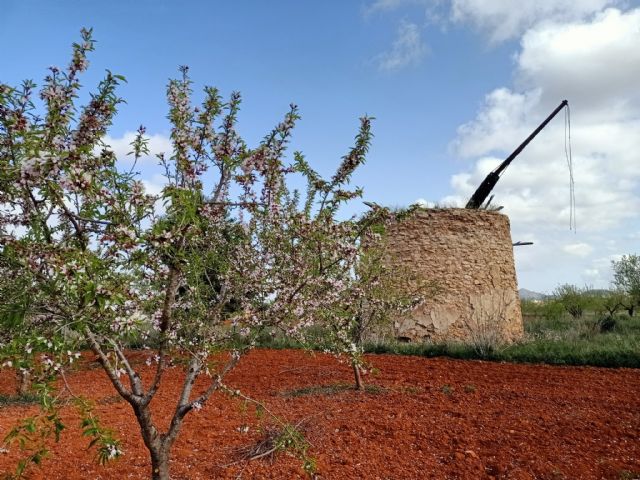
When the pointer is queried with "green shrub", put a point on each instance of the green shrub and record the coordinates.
(574, 299)
(552, 310)
(606, 324)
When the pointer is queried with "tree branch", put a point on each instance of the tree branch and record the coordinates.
(104, 361)
(165, 323)
(134, 378)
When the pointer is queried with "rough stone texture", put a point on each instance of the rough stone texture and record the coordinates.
(469, 254)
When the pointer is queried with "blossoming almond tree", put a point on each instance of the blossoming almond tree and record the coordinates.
(234, 252)
(378, 290)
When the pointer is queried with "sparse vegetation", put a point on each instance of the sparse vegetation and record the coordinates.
(552, 336)
(447, 390)
(27, 399)
(486, 335)
(469, 388)
(276, 439)
(330, 390)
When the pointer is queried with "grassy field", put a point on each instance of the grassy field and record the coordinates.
(563, 342)
(555, 340)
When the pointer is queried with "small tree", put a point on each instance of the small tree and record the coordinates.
(573, 299)
(608, 302)
(377, 291)
(605, 305)
(105, 268)
(626, 277)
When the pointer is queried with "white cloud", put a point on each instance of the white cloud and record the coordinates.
(506, 19)
(606, 148)
(408, 49)
(382, 5)
(594, 63)
(155, 184)
(150, 173)
(500, 20)
(502, 118)
(423, 203)
(598, 272)
(121, 146)
(579, 249)
(591, 273)
(602, 263)
(593, 277)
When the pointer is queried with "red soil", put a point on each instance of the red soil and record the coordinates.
(434, 418)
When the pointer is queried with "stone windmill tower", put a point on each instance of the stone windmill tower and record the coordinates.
(468, 253)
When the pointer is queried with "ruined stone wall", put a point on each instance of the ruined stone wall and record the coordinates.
(469, 254)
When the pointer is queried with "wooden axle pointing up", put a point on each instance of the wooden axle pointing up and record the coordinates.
(487, 185)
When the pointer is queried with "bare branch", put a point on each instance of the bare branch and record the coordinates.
(136, 383)
(104, 361)
(216, 381)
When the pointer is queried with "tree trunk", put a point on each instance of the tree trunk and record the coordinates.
(631, 310)
(24, 382)
(159, 464)
(157, 445)
(356, 335)
(358, 377)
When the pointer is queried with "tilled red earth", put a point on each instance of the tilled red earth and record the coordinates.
(431, 418)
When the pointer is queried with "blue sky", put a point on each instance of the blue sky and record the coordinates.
(454, 86)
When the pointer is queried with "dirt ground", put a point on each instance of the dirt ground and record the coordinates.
(430, 418)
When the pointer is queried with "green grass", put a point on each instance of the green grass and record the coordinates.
(559, 341)
(11, 400)
(447, 390)
(554, 340)
(330, 390)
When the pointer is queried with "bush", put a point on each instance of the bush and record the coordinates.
(552, 310)
(606, 324)
(574, 299)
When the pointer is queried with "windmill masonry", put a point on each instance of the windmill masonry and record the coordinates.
(468, 254)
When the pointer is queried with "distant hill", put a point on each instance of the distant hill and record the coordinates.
(530, 295)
